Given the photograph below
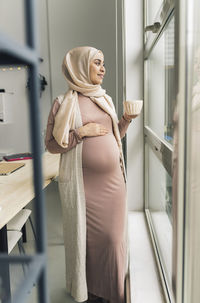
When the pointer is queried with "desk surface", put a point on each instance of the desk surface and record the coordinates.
(16, 190)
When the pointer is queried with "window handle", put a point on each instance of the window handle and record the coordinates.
(153, 28)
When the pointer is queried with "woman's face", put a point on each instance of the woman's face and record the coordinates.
(97, 69)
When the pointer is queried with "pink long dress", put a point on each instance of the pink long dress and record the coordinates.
(105, 194)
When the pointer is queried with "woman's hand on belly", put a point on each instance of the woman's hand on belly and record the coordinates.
(92, 130)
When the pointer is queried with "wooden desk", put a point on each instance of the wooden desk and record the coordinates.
(16, 190)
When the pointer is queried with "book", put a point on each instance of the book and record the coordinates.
(8, 168)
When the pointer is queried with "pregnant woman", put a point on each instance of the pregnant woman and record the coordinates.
(83, 127)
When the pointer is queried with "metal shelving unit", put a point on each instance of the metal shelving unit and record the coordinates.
(13, 54)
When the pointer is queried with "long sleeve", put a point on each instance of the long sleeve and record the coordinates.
(50, 142)
(123, 125)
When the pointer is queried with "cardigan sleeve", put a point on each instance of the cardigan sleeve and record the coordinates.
(50, 142)
(123, 125)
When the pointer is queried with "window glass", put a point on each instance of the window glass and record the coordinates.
(160, 206)
(160, 88)
(193, 206)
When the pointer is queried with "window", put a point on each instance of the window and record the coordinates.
(159, 75)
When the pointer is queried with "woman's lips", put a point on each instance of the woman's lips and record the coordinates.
(101, 76)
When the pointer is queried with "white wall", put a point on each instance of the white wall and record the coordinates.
(78, 23)
(11, 23)
(71, 24)
(14, 137)
(134, 91)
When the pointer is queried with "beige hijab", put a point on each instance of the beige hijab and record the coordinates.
(75, 67)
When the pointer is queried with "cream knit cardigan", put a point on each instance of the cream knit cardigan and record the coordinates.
(72, 195)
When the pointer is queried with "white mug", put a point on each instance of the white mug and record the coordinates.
(133, 107)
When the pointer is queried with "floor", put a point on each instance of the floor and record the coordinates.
(145, 285)
(56, 269)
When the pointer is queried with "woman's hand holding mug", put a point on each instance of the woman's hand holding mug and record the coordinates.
(92, 129)
(129, 117)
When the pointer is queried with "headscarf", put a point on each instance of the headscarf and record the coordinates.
(76, 69)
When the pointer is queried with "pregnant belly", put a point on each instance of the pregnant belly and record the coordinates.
(100, 154)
